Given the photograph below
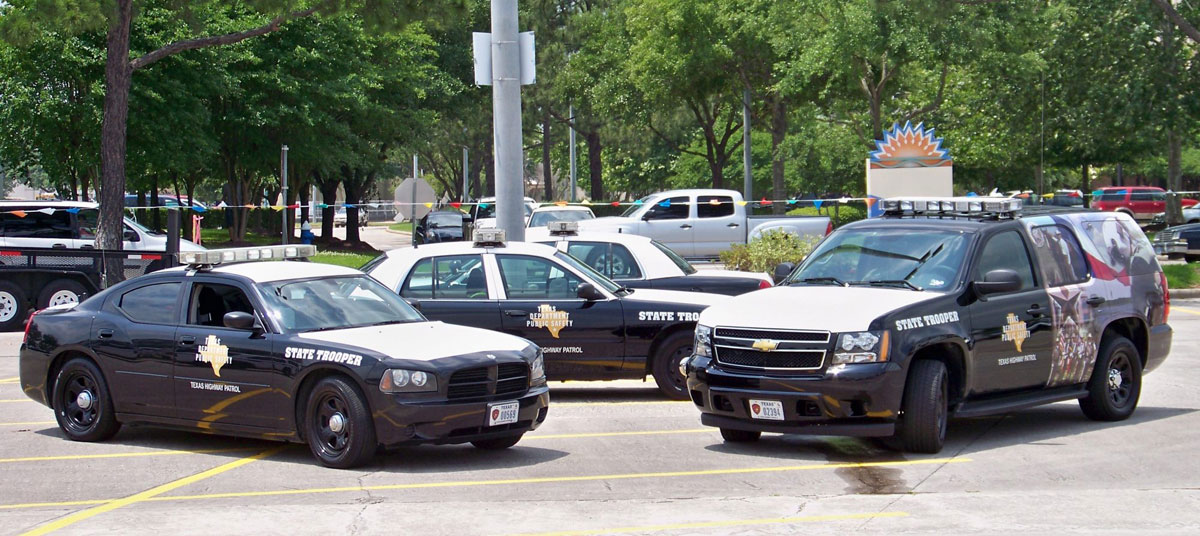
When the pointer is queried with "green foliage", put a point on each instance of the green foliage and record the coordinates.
(767, 251)
(838, 213)
(1182, 275)
(343, 258)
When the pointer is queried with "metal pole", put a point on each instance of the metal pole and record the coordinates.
(506, 111)
(412, 208)
(571, 120)
(283, 195)
(749, 177)
(466, 194)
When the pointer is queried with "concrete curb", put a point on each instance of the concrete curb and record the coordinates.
(1185, 293)
(396, 232)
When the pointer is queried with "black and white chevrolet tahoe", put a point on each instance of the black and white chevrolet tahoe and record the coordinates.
(940, 308)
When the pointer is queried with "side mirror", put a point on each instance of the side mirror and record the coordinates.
(589, 292)
(783, 270)
(240, 320)
(131, 236)
(998, 282)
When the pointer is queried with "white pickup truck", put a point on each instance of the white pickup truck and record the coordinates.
(702, 222)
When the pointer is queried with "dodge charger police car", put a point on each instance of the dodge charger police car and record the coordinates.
(589, 327)
(941, 308)
(279, 350)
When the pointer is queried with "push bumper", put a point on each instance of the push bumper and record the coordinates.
(858, 400)
(438, 422)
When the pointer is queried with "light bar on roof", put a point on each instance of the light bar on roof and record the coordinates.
(260, 253)
(490, 237)
(563, 228)
(950, 205)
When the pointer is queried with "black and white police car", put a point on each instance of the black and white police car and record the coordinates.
(641, 262)
(589, 327)
(295, 351)
(941, 308)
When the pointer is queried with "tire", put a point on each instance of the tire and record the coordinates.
(14, 307)
(82, 404)
(338, 424)
(1116, 382)
(739, 436)
(498, 443)
(923, 425)
(666, 365)
(1191, 258)
(60, 292)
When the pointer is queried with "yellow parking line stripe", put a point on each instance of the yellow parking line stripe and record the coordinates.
(10, 380)
(509, 482)
(15, 400)
(617, 434)
(1186, 310)
(148, 494)
(119, 455)
(731, 523)
(34, 423)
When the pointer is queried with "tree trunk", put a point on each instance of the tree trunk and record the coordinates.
(74, 185)
(547, 177)
(778, 135)
(156, 220)
(87, 185)
(117, 79)
(328, 189)
(1174, 176)
(595, 165)
(304, 215)
(717, 168)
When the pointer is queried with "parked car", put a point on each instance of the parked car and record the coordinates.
(702, 222)
(542, 216)
(71, 225)
(641, 262)
(164, 200)
(441, 226)
(1179, 242)
(1190, 215)
(950, 308)
(1140, 202)
(483, 213)
(339, 217)
(1060, 198)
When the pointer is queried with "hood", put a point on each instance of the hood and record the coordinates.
(420, 341)
(701, 299)
(733, 273)
(608, 224)
(826, 308)
(159, 243)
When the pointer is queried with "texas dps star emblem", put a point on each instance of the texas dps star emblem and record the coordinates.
(549, 317)
(765, 345)
(213, 353)
(1015, 331)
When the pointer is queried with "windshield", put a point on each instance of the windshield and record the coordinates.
(637, 205)
(445, 220)
(335, 303)
(886, 257)
(489, 211)
(540, 219)
(675, 258)
(596, 278)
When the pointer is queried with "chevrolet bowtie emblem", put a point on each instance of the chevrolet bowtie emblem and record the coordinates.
(765, 345)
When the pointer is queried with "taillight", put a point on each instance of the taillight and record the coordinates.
(829, 228)
(29, 322)
(1162, 276)
(764, 284)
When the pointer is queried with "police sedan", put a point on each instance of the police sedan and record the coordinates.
(640, 262)
(291, 351)
(589, 327)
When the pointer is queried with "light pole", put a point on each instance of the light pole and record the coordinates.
(506, 111)
(283, 193)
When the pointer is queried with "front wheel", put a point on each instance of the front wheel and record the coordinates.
(666, 365)
(923, 426)
(1116, 382)
(498, 443)
(82, 404)
(338, 424)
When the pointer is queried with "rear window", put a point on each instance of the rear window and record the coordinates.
(21, 222)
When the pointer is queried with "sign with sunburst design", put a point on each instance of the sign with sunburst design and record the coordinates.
(909, 146)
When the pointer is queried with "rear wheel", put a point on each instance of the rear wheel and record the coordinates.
(1191, 258)
(923, 426)
(338, 424)
(60, 292)
(666, 365)
(13, 306)
(82, 404)
(1116, 382)
(739, 436)
(497, 443)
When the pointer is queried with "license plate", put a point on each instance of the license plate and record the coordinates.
(502, 413)
(771, 410)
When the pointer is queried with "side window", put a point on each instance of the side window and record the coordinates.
(459, 277)
(37, 224)
(612, 260)
(676, 209)
(152, 304)
(1142, 196)
(1059, 255)
(210, 302)
(533, 278)
(419, 284)
(1112, 197)
(714, 206)
(1006, 251)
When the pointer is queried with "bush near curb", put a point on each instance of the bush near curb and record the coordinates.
(766, 251)
(840, 214)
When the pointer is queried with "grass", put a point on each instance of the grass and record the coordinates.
(1182, 275)
(217, 238)
(405, 226)
(343, 258)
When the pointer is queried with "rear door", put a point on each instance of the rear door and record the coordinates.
(668, 221)
(717, 225)
(135, 335)
(26, 227)
(453, 289)
(1146, 203)
(1076, 301)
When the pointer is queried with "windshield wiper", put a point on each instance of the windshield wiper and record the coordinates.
(892, 283)
(924, 258)
(385, 322)
(820, 280)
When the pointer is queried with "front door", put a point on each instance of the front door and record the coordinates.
(667, 221)
(1012, 332)
(581, 339)
(225, 375)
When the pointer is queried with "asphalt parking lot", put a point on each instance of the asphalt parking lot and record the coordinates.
(616, 458)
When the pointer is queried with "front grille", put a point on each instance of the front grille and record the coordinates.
(469, 383)
(481, 382)
(803, 359)
(755, 334)
(512, 378)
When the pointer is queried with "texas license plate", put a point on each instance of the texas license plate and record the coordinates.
(771, 410)
(502, 413)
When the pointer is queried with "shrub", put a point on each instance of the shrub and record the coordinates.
(840, 214)
(766, 251)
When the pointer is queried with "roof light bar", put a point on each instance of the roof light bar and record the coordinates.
(262, 253)
(490, 237)
(951, 205)
(563, 228)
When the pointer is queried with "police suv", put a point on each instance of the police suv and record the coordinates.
(589, 327)
(940, 308)
(294, 351)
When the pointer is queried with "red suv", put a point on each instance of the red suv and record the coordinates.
(1141, 202)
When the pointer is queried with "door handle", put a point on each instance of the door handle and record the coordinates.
(516, 313)
(87, 246)
(1036, 310)
(105, 333)
(1096, 300)
(59, 246)
(187, 340)
(731, 225)
(686, 226)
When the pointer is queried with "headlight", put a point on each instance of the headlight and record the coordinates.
(862, 347)
(703, 342)
(407, 381)
(537, 367)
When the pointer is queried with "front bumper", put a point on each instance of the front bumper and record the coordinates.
(857, 400)
(408, 422)
(1170, 247)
